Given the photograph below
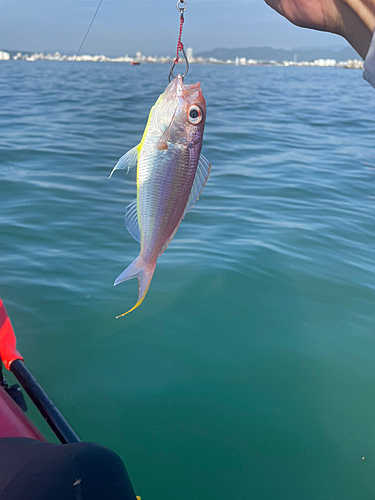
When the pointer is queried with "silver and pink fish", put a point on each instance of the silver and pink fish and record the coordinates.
(171, 174)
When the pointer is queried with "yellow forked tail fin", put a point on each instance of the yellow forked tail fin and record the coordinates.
(144, 272)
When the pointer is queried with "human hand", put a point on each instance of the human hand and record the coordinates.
(320, 15)
(352, 19)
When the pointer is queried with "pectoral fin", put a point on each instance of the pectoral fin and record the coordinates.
(161, 145)
(128, 161)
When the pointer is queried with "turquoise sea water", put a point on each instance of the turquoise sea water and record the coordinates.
(249, 370)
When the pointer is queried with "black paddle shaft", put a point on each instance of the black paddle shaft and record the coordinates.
(41, 400)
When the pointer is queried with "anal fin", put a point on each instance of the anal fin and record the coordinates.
(131, 220)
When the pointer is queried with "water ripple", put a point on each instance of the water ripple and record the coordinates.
(266, 291)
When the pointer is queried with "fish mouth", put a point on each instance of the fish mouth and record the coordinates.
(193, 89)
(193, 86)
(180, 85)
(192, 92)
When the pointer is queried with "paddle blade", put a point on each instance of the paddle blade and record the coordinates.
(8, 341)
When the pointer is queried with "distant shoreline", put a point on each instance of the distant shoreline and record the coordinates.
(141, 59)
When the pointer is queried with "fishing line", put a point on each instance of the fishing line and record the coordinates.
(65, 82)
(181, 7)
(180, 45)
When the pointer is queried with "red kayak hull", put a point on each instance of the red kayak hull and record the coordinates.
(13, 421)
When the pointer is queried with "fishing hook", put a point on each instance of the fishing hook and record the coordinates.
(171, 75)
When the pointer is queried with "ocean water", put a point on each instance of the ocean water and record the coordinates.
(249, 370)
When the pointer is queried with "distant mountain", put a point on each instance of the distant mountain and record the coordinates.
(335, 47)
(271, 54)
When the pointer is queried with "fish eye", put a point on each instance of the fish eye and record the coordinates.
(195, 114)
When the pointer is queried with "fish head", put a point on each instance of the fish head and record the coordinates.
(184, 112)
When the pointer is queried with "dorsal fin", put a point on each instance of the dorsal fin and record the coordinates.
(200, 179)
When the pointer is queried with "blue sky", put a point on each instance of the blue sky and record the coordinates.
(124, 26)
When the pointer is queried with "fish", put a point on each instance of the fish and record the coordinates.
(171, 175)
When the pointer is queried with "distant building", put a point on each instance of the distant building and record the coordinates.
(325, 62)
(353, 64)
(4, 56)
(189, 54)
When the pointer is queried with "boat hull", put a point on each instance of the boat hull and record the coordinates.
(13, 421)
